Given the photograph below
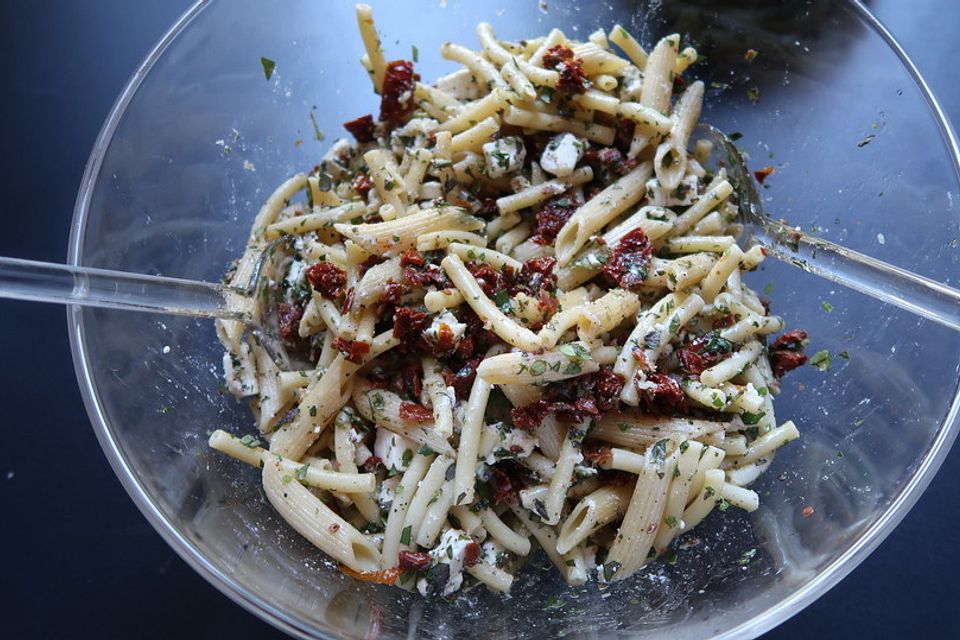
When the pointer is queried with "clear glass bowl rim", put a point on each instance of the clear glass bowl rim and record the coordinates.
(826, 579)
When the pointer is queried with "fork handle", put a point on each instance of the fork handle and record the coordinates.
(59, 283)
(915, 293)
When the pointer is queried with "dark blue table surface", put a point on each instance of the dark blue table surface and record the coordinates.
(76, 557)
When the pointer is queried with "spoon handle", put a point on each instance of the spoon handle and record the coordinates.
(59, 283)
(899, 287)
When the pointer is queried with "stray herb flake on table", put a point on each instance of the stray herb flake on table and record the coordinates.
(268, 67)
(821, 360)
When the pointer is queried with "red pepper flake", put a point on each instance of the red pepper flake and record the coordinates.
(630, 260)
(750, 55)
(396, 102)
(334, 527)
(570, 68)
(386, 576)
(352, 350)
(289, 316)
(807, 511)
(471, 554)
(362, 184)
(327, 279)
(361, 128)
(665, 396)
(416, 560)
(761, 174)
(415, 412)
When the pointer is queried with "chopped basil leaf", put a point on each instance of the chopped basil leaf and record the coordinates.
(821, 360)
(405, 536)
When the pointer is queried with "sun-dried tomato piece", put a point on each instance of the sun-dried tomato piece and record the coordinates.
(361, 128)
(471, 554)
(371, 464)
(327, 279)
(352, 350)
(529, 417)
(396, 102)
(289, 315)
(507, 479)
(416, 560)
(362, 184)
(786, 352)
(392, 293)
(784, 360)
(609, 160)
(607, 389)
(597, 454)
(665, 394)
(792, 340)
(409, 323)
(570, 68)
(551, 218)
(489, 279)
(348, 300)
(462, 379)
(625, 131)
(415, 412)
(762, 174)
(537, 273)
(630, 260)
(691, 361)
(428, 274)
(412, 257)
(411, 379)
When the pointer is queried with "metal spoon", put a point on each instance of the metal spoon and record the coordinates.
(915, 293)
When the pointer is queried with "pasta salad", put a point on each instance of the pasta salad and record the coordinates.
(514, 317)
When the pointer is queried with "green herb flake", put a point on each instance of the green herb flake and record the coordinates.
(405, 536)
(301, 473)
(553, 602)
(723, 505)
(658, 452)
(844, 355)
(753, 93)
(821, 360)
(407, 456)
(746, 557)
(752, 418)
(502, 300)
(318, 134)
(250, 442)
(538, 367)
(826, 306)
(425, 450)
(610, 569)
(671, 521)
(415, 53)
(268, 67)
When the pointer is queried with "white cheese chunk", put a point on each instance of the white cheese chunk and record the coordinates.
(562, 154)
(504, 156)
(390, 448)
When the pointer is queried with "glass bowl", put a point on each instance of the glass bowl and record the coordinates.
(199, 138)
